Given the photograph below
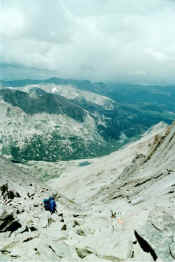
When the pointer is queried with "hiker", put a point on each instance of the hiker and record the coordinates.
(113, 220)
(50, 204)
(116, 220)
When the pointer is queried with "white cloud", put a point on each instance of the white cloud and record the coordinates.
(96, 39)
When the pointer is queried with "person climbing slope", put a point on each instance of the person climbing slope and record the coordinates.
(50, 204)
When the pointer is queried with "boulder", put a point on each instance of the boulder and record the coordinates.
(8, 193)
(157, 235)
(8, 221)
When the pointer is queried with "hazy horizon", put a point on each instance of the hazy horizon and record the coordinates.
(99, 40)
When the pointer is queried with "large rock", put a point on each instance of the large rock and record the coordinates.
(8, 222)
(157, 236)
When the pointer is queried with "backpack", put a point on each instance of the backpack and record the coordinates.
(46, 204)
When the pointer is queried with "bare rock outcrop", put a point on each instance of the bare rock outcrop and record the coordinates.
(8, 222)
(157, 236)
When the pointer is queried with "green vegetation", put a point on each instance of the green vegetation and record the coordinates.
(55, 148)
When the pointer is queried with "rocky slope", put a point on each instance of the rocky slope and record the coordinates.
(118, 208)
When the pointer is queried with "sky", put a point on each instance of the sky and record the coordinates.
(99, 40)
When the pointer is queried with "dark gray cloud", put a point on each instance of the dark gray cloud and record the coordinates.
(119, 40)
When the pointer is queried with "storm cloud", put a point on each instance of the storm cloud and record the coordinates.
(123, 40)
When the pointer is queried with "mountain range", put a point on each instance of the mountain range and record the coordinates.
(62, 119)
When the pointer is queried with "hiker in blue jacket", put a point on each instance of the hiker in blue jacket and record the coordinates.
(50, 204)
